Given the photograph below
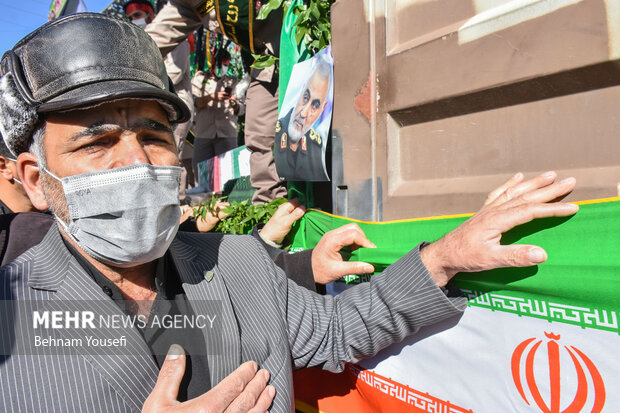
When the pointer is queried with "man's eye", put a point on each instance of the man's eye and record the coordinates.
(316, 104)
(95, 144)
(156, 139)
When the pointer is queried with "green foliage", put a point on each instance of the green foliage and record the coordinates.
(242, 216)
(268, 8)
(263, 61)
(313, 26)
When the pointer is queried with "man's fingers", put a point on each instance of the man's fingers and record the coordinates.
(220, 397)
(356, 239)
(514, 180)
(351, 267)
(527, 212)
(186, 212)
(170, 375)
(331, 270)
(520, 256)
(264, 401)
(290, 205)
(350, 234)
(248, 398)
(549, 192)
(514, 192)
(219, 208)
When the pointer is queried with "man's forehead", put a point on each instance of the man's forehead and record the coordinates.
(116, 111)
(318, 84)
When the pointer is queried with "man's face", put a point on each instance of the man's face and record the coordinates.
(112, 135)
(141, 17)
(309, 106)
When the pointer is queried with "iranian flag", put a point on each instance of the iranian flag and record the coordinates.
(537, 339)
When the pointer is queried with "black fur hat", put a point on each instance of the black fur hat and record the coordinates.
(80, 61)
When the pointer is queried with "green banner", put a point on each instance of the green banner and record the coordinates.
(291, 52)
(579, 284)
(236, 19)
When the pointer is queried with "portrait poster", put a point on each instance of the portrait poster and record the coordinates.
(304, 120)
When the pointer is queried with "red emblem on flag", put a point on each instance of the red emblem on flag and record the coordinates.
(590, 386)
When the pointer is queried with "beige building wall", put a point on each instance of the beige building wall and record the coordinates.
(439, 101)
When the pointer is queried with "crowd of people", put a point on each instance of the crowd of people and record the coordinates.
(215, 96)
(90, 138)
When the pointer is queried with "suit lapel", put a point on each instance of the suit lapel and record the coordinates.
(132, 372)
(202, 282)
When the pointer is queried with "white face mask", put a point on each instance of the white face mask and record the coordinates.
(141, 23)
(224, 70)
(125, 216)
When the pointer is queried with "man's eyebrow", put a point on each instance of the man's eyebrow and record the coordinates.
(150, 124)
(101, 128)
(96, 129)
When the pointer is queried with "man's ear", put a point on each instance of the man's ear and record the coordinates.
(5, 171)
(31, 179)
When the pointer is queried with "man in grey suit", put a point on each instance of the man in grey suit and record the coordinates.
(91, 125)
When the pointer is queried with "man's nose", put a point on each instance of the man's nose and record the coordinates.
(305, 110)
(129, 151)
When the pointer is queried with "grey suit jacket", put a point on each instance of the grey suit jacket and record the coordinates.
(265, 318)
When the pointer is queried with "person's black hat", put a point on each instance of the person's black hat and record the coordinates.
(75, 62)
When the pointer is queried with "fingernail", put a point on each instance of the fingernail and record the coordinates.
(271, 391)
(536, 255)
(549, 174)
(174, 352)
(372, 245)
(567, 180)
(368, 269)
(265, 374)
(517, 175)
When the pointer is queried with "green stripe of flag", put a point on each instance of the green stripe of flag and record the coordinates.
(579, 284)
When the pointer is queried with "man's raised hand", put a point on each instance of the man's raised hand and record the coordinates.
(475, 244)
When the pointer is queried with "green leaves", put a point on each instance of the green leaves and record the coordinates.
(268, 8)
(263, 61)
(242, 216)
(313, 24)
(312, 27)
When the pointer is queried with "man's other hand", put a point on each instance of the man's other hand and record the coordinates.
(475, 244)
(221, 96)
(210, 221)
(244, 390)
(327, 263)
(282, 220)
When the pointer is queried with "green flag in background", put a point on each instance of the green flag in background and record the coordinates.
(236, 19)
(583, 268)
(291, 52)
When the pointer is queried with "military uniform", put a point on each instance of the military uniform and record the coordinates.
(304, 164)
(175, 22)
(177, 67)
(215, 125)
